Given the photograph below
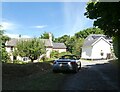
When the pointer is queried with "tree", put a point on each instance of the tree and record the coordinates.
(4, 57)
(104, 18)
(45, 35)
(88, 31)
(77, 47)
(31, 48)
(107, 17)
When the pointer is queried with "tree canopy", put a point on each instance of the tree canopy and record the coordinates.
(31, 48)
(4, 57)
(88, 31)
(106, 16)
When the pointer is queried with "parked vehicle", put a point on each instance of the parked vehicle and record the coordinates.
(67, 63)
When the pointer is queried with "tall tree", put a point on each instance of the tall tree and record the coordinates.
(4, 57)
(107, 17)
(31, 48)
(84, 33)
(77, 46)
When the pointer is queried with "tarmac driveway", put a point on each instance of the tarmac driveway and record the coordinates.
(94, 75)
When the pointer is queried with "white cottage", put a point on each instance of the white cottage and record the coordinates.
(97, 46)
(49, 44)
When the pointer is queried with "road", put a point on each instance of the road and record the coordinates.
(94, 75)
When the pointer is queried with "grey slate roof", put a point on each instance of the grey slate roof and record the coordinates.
(13, 41)
(47, 42)
(93, 38)
(59, 46)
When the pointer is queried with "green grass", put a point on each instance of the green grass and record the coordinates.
(48, 81)
(37, 76)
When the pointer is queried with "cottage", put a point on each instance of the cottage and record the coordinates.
(97, 46)
(49, 44)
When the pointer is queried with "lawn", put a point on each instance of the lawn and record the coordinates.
(34, 76)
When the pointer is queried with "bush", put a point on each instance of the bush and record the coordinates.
(19, 62)
(5, 58)
(64, 53)
(54, 54)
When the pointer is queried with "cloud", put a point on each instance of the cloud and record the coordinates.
(8, 25)
(16, 35)
(74, 18)
(40, 26)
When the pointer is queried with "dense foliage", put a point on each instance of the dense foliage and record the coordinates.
(56, 54)
(32, 48)
(45, 35)
(106, 15)
(88, 31)
(4, 57)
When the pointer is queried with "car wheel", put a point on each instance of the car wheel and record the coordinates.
(79, 67)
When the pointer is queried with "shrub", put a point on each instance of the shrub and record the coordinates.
(54, 54)
(19, 62)
(64, 53)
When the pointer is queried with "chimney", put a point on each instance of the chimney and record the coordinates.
(50, 37)
(19, 37)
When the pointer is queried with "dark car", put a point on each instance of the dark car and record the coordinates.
(67, 63)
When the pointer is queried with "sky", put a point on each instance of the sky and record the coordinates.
(32, 19)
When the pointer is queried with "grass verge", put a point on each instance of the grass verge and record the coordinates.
(37, 76)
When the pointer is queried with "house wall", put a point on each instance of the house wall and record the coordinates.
(101, 46)
(8, 49)
(86, 52)
(49, 50)
(60, 50)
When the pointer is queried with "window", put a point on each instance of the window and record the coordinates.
(11, 48)
(101, 53)
(25, 58)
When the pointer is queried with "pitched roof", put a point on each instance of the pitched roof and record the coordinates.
(47, 42)
(59, 46)
(13, 41)
(92, 38)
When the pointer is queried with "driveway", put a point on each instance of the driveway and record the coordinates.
(94, 75)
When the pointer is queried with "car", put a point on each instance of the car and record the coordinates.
(67, 63)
